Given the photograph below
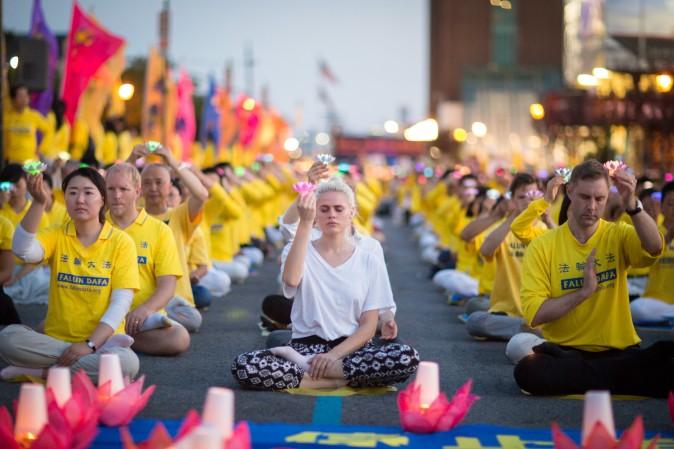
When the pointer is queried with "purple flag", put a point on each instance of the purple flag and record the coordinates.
(38, 28)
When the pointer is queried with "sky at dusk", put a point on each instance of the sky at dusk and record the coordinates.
(377, 49)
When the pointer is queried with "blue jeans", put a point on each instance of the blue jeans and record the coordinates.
(202, 297)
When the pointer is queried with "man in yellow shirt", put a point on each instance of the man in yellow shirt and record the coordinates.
(657, 303)
(158, 266)
(20, 126)
(183, 220)
(574, 286)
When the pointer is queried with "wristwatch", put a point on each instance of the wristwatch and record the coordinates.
(636, 210)
(91, 345)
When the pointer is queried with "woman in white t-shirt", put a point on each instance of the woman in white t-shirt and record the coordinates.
(339, 289)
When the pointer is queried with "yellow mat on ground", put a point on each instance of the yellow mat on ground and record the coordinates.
(342, 391)
(615, 397)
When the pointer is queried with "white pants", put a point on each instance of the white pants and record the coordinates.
(21, 346)
(33, 288)
(236, 270)
(430, 255)
(651, 311)
(254, 254)
(521, 345)
(454, 281)
(636, 285)
(417, 220)
(428, 239)
(180, 310)
(217, 282)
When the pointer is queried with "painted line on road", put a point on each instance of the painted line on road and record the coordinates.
(327, 410)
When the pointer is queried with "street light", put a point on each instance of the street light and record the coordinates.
(249, 104)
(663, 82)
(537, 111)
(600, 73)
(322, 139)
(423, 131)
(479, 129)
(391, 126)
(587, 80)
(126, 91)
(14, 62)
(460, 135)
(291, 144)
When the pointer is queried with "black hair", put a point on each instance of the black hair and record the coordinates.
(667, 188)
(96, 179)
(645, 193)
(46, 177)
(466, 177)
(12, 173)
(175, 182)
(15, 90)
(446, 173)
(564, 209)
(521, 179)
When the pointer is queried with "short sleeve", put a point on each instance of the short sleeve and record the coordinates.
(287, 290)
(48, 239)
(125, 268)
(536, 287)
(379, 293)
(166, 260)
(635, 254)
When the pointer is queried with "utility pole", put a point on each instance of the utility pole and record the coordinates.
(249, 67)
(164, 17)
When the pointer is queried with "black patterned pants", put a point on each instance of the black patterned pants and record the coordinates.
(370, 366)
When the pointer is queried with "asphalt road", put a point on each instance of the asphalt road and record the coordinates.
(426, 322)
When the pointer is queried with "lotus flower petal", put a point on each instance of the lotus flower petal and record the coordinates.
(119, 409)
(565, 173)
(599, 438)
(441, 415)
(304, 187)
(325, 158)
(34, 167)
(562, 441)
(240, 438)
(50, 438)
(77, 420)
(159, 439)
(458, 408)
(614, 166)
(7, 430)
(191, 421)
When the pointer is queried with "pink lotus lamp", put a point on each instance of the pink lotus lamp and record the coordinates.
(304, 188)
(600, 438)
(613, 166)
(424, 409)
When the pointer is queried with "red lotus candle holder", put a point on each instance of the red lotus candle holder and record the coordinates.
(160, 438)
(600, 438)
(441, 415)
(115, 409)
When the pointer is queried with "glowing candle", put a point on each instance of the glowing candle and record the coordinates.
(31, 413)
(428, 380)
(110, 370)
(58, 379)
(219, 410)
(597, 408)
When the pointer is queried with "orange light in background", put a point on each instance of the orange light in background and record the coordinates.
(537, 111)
(126, 91)
(663, 82)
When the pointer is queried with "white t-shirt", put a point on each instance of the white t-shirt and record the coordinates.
(329, 301)
(367, 243)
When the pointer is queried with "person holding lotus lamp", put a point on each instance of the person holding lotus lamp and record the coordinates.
(94, 276)
(339, 289)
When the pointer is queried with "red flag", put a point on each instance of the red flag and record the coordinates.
(89, 46)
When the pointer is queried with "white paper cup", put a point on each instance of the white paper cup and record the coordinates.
(110, 370)
(597, 407)
(58, 379)
(428, 379)
(31, 412)
(219, 410)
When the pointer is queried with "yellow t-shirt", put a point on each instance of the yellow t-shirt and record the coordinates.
(15, 217)
(156, 250)
(197, 251)
(660, 283)
(505, 296)
(178, 220)
(20, 129)
(524, 226)
(82, 279)
(6, 234)
(553, 266)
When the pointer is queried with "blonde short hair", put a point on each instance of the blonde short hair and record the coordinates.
(335, 184)
(125, 167)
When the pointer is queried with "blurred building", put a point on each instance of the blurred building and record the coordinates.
(489, 61)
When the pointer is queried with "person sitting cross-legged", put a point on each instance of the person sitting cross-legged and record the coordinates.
(94, 275)
(574, 286)
(338, 290)
(158, 265)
